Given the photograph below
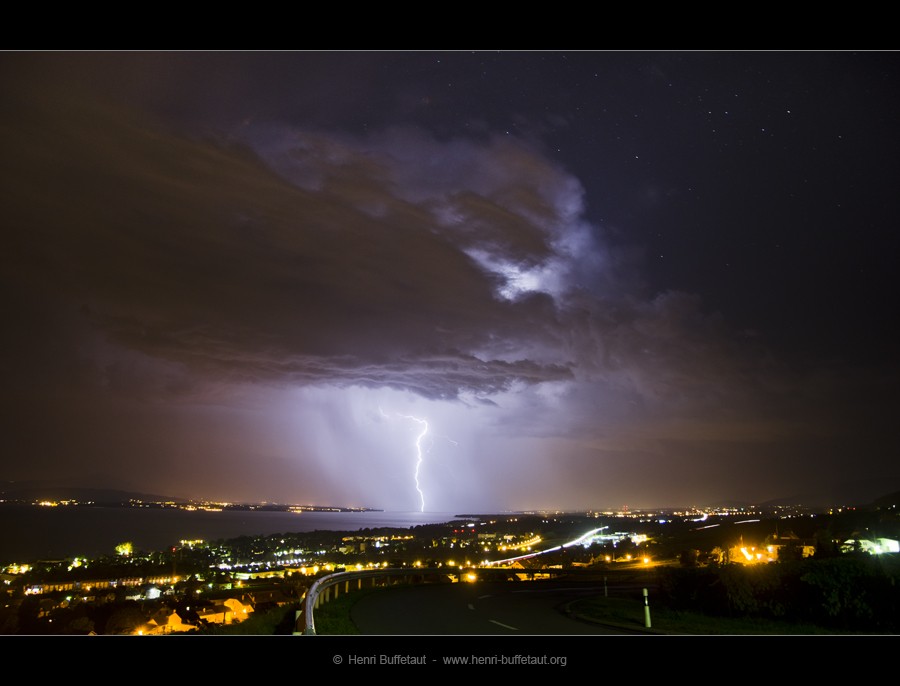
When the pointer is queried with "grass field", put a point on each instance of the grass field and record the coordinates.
(630, 614)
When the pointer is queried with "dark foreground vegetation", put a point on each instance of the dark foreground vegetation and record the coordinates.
(850, 593)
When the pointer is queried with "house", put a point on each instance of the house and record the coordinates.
(226, 612)
(873, 545)
(264, 600)
(776, 546)
(780, 546)
(165, 621)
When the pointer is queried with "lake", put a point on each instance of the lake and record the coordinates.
(29, 533)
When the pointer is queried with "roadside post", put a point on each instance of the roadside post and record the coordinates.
(646, 610)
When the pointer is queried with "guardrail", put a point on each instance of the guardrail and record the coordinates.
(329, 587)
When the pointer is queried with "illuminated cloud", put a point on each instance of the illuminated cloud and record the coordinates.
(193, 252)
(226, 295)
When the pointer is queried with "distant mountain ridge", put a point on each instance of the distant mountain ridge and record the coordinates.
(863, 493)
(889, 500)
(39, 490)
(867, 493)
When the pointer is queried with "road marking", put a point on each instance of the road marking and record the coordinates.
(471, 607)
(505, 626)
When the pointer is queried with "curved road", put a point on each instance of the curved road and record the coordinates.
(482, 608)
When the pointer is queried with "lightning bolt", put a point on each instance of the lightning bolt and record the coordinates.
(420, 452)
(419, 456)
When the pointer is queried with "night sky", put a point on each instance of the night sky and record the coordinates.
(602, 278)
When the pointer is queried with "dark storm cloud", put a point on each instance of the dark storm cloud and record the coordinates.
(192, 251)
(290, 256)
(189, 239)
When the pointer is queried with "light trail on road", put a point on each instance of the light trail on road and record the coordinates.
(578, 541)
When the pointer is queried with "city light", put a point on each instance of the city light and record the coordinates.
(386, 550)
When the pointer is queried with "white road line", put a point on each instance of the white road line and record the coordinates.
(505, 626)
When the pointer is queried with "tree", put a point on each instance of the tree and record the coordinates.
(625, 547)
(790, 552)
(28, 620)
(127, 619)
(688, 558)
(9, 620)
(80, 625)
(718, 555)
(826, 546)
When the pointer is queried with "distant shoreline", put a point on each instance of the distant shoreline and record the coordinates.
(179, 505)
(29, 532)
